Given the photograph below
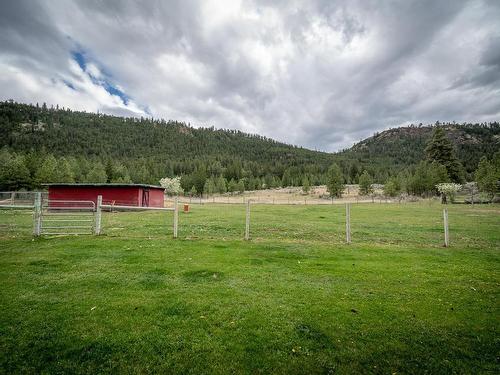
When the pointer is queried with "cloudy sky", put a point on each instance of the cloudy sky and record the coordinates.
(321, 74)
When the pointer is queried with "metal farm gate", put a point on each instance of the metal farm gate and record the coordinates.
(63, 217)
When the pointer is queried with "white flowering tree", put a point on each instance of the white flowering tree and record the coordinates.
(172, 185)
(448, 190)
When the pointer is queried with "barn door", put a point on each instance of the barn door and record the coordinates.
(145, 198)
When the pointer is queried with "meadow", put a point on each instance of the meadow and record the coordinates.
(295, 299)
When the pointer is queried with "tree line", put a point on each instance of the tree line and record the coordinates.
(440, 165)
(41, 144)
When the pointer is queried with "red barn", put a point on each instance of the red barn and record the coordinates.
(119, 194)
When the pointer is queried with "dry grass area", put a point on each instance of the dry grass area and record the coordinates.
(290, 195)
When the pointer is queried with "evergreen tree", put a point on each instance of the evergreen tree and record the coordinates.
(365, 183)
(193, 192)
(47, 172)
(306, 185)
(64, 173)
(209, 187)
(97, 174)
(251, 183)
(487, 177)
(14, 175)
(240, 186)
(140, 174)
(440, 150)
(426, 177)
(198, 180)
(286, 180)
(221, 185)
(335, 181)
(120, 174)
(233, 170)
(110, 170)
(392, 187)
(232, 186)
(187, 182)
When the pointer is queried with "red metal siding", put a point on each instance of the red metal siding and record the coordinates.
(156, 198)
(119, 195)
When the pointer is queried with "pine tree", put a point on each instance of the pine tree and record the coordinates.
(392, 187)
(64, 173)
(97, 174)
(365, 183)
(286, 180)
(120, 174)
(440, 150)
(240, 186)
(487, 177)
(209, 187)
(14, 175)
(221, 185)
(193, 192)
(47, 172)
(335, 181)
(198, 179)
(231, 186)
(306, 185)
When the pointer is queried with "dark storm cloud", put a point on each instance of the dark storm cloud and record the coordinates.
(322, 74)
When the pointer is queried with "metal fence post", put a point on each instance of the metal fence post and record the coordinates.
(247, 221)
(37, 215)
(446, 232)
(176, 216)
(348, 222)
(97, 228)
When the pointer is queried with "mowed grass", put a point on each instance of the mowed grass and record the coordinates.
(294, 299)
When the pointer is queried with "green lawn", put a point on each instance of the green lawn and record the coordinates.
(294, 299)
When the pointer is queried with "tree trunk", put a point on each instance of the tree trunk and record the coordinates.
(443, 199)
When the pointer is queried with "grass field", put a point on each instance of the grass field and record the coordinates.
(294, 299)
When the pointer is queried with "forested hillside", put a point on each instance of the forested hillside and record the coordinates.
(145, 150)
(40, 145)
(398, 148)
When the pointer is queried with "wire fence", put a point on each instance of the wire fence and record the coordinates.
(400, 224)
(16, 214)
(406, 224)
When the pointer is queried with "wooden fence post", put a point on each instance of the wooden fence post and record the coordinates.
(247, 221)
(97, 226)
(176, 216)
(13, 198)
(446, 232)
(348, 222)
(37, 215)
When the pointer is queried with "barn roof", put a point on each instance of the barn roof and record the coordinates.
(104, 185)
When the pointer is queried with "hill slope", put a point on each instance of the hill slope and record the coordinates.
(144, 150)
(165, 148)
(399, 148)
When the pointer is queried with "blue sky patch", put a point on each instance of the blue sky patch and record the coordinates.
(82, 59)
(69, 84)
(79, 58)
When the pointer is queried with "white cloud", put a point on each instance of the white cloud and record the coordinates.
(322, 74)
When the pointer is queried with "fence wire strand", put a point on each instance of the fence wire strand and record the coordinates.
(395, 224)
